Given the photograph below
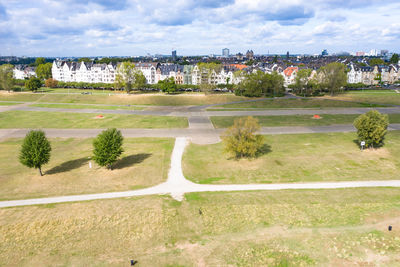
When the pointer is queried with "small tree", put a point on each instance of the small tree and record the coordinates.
(50, 82)
(6, 77)
(240, 139)
(108, 147)
(35, 150)
(43, 71)
(33, 84)
(371, 128)
(168, 85)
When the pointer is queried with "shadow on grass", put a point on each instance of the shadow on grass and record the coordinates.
(130, 160)
(265, 149)
(68, 166)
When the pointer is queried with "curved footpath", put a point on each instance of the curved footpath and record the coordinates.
(177, 185)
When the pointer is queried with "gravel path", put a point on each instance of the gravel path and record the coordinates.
(177, 185)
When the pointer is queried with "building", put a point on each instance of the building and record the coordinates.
(324, 53)
(290, 74)
(22, 72)
(250, 54)
(360, 54)
(174, 57)
(225, 52)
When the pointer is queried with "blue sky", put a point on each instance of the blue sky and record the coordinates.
(193, 27)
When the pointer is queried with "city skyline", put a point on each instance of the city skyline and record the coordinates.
(131, 28)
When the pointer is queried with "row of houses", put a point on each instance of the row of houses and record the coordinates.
(193, 74)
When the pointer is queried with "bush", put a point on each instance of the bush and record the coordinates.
(33, 84)
(107, 147)
(35, 150)
(50, 82)
(240, 139)
(371, 128)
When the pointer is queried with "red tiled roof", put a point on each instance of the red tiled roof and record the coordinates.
(239, 66)
(289, 71)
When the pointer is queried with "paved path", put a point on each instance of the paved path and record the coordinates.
(188, 132)
(177, 185)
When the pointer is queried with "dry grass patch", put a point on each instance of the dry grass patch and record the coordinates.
(302, 228)
(144, 163)
(297, 158)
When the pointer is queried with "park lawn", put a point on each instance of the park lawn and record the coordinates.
(338, 227)
(296, 158)
(44, 119)
(296, 120)
(77, 106)
(145, 162)
(124, 99)
(8, 103)
(277, 103)
(389, 97)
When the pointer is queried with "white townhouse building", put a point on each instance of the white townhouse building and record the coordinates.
(83, 72)
(148, 70)
(23, 71)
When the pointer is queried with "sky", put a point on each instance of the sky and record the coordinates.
(196, 27)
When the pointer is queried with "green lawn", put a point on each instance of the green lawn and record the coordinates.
(74, 106)
(296, 120)
(294, 103)
(296, 158)
(145, 162)
(371, 96)
(43, 119)
(124, 99)
(8, 103)
(342, 227)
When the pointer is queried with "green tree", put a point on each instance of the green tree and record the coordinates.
(334, 77)
(43, 71)
(240, 139)
(84, 59)
(33, 84)
(300, 85)
(128, 77)
(107, 147)
(258, 84)
(40, 60)
(139, 80)
(371, 128)
(168, 85)
(376, 61)
(394, 59)
(35, 150)
(6, 77)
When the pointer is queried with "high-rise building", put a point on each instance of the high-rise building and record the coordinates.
(287, 55)
(225, 52)
(324, 52)
(173, 54)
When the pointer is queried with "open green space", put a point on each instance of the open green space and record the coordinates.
(286, 103)
(389, 97)
(124, 99)
(8, 103)
(342, 227)
(77, 106)
(145, 162)
(43, 119)
(296, 158)
(296, 120)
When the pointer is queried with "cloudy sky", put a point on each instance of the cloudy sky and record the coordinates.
(196, 27)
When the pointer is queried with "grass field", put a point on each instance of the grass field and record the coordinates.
(371, 96)
(75, 106)
(296, 120)
(145, 162)
(8, 103)
(294, 103)
(123, 99)
(296, 158)
(43, 119)
(343, 227)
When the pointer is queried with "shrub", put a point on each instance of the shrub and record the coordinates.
(371, 128)
(50, 82)
(107, 147)
(33, 84)
(35, 150)
(240, 139)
